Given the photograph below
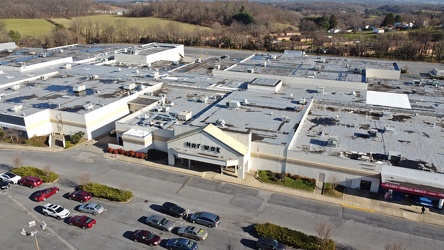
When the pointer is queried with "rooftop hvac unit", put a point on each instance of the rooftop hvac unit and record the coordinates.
(44, 77)
(130, 86)
(198, 60)
(16, 108)
(285, 119)
(184, 115)
(15, 87)
(233, 104)
(94, 77)
(273, 56)
(220, 122)
(88, 106)
(68, 66)
(264, 64)
(217, 66)
(332, 141)
(302, 101)
(79, 88)
(250, 71)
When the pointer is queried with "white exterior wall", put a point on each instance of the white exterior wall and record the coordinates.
(292, 80)
(137, 143)
(267, 157)
(161, 136)
(382, 74)
(46, 64)
(38, 124)
(301, 124)
(136, 59)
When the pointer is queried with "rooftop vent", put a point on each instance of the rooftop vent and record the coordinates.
(16, 108)
(94, 77)
(79, 88)
(15, 87)
(130, 86)
(220, 122)
(88, 106)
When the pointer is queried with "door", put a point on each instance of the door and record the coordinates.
(365, 185)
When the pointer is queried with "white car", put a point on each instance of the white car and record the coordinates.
(11, 177)
(55, 211)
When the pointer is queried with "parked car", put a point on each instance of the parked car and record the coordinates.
(11, 177)
(30, 181)
(206, 219)
(4, 184)
(173, 209)
(192, 232)
(146, 237)
(43, 194)
(92, 208)
(160, 222)
(82, 221)
(55, 211)
(269, 244)
(180, 244)
(80, 195)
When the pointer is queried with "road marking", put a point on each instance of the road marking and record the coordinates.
(358, 208)
(184, 184)
(37, 219)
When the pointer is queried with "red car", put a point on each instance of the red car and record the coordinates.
(43, 194)
(82, 221)
(30, 181)
(146, 237)
(80, 195)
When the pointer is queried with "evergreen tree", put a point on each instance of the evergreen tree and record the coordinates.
(389, 20)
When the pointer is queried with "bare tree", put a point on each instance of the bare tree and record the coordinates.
(47, 170)
(17, 162)
(334, 180)
(324, 230)
(84, 178)
(395, 246)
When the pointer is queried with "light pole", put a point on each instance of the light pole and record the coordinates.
(31, 224)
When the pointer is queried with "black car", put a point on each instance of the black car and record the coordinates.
(269, 244)
(4, 184)
(173, 209)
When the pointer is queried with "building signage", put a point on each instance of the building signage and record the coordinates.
(203, 147)
(412, 190)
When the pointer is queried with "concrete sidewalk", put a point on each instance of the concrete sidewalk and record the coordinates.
(389, 208)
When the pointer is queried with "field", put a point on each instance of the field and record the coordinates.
(40, 27)
(143, 22)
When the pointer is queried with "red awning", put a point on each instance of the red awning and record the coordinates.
(413, 190)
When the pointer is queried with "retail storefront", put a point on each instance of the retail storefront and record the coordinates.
(210, 145)
(425, 185)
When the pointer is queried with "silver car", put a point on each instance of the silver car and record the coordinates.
(160, 222)
(91, 208)
(192, 232)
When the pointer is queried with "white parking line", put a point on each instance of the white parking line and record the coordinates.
(37, 219)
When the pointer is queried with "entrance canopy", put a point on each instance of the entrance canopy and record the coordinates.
(413, 181)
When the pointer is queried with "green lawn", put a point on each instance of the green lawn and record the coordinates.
(37, 28)
(268, 177)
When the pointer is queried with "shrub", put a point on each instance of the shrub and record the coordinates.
(75, 138)
(292, 238)
(106, 192)
(46, 177)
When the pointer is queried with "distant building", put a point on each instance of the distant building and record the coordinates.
(378, 31)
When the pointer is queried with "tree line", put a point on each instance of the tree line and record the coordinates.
(251, 25)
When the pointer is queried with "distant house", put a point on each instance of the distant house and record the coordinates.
(378, 31)
(334, 31)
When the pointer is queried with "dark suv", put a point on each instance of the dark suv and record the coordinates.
(269, 244)
(205, 218)
(173, 209)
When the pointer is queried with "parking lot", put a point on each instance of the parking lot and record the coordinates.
(112, 231)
